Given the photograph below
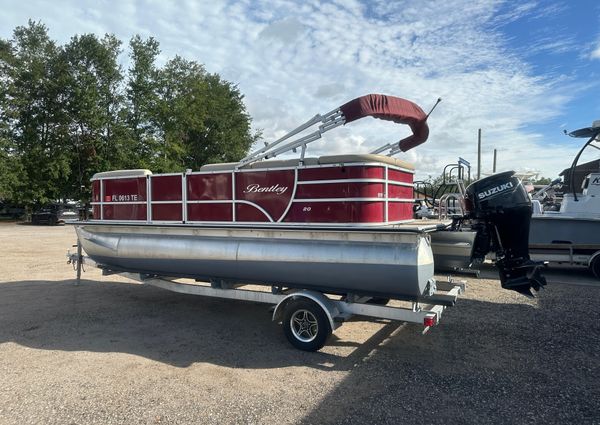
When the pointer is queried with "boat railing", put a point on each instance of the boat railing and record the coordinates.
(451, 205)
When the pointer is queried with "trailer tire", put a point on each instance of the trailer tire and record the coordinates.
(305, 324)
(595, 265)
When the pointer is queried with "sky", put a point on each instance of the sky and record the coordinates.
(522, 71)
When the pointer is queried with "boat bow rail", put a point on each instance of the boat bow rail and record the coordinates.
(336, 190)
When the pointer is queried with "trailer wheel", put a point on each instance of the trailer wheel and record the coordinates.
(306, 325)
(595, 266)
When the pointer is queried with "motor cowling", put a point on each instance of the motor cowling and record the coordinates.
(500, 210)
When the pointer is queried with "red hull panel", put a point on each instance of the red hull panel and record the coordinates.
(124, 190)
(250, 213)
(336, 212)
(399, 211)
(125, 212)
(337, 194)
(166, 188)
(167, 212)
(341, 190)
(209, 187)
(400, 176)
(96, 191)
(209, 212)
(271, 190)
(341, 172)
(400, 192)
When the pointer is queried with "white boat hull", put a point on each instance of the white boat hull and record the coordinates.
(559, 228)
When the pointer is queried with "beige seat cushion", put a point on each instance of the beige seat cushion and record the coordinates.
(273, 163)
(224, 166)
(279, 163)
(329, 159)
(368, 157)
(122, 173)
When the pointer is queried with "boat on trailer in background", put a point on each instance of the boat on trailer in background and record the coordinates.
(331, 236)
(571, 235)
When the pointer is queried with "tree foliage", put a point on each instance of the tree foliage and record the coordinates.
(542, 181)
(68, 111)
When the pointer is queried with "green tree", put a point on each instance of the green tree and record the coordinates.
(11, 171)
(200, 118)
(93, 104)
(8, 173)
(30, 111)
(141, 99)
(542, 180)
(69, 111)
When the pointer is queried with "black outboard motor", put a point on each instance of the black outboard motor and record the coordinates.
(500, 211)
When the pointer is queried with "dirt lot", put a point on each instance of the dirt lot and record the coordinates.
(113, 352)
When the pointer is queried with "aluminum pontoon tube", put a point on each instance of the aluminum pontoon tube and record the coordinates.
(391, 264)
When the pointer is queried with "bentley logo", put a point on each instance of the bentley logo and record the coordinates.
(256, 188)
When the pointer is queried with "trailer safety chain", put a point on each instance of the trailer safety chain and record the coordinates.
(77, 261)
(73, 261)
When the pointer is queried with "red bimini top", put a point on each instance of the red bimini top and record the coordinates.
(390, 108)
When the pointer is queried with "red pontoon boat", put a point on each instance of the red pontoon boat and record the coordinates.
(340, 224)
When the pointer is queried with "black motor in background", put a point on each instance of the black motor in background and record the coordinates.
(500, 210)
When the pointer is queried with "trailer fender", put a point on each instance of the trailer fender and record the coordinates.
(593, 258)
(322, 301)
(594, 264)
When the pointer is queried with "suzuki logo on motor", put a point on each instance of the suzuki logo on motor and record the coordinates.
(596, 181)
(496, 189)
(256, 188)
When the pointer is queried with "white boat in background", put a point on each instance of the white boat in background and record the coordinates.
(571, 235)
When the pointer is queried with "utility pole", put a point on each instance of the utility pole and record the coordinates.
(494, 169)
(478, 154)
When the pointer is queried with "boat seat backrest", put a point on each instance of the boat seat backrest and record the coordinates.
(323, 160)
(274, 163)
(224, 166)
(346, 159)
(281, 163)
(122, 173)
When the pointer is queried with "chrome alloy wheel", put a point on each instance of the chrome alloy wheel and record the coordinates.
(304, 325)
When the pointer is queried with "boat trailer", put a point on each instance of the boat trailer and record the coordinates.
(308, 317)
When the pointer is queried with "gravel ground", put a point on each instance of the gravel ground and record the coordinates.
(112, 352)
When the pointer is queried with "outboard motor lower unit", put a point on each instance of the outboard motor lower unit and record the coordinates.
(500, 210)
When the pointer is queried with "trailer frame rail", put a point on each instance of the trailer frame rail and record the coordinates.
(427, 312)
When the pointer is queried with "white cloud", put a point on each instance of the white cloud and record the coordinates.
(555, 44)
(295, 59)
(596, 52)
(515, 12)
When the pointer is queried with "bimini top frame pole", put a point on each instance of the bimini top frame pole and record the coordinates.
(329, 121)
(396, 147)
(392, 147)
(380, 106)
(593, 133)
